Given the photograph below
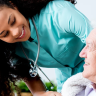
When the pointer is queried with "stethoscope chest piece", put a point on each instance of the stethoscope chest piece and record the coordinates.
(33, 70)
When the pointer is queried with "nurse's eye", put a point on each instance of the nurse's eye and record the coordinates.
(13, 22)
(6, 33)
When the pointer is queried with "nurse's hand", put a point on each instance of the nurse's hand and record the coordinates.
(49, 93)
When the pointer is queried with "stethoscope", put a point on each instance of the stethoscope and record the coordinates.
(33, 64)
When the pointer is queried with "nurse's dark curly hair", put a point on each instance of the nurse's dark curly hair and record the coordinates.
(12, 68)
(29, 8)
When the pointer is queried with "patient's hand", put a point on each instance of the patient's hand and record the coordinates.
(49, 93)
(52, 93)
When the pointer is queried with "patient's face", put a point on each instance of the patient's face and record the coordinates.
(89, 53)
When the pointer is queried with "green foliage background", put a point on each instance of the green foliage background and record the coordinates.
(22, 86)
(50, 87)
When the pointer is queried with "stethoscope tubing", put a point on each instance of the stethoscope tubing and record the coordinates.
(35, 62)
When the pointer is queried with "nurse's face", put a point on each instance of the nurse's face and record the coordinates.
(14, 27)
(89, 53)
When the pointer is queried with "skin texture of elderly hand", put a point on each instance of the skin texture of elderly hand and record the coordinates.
(48, 93)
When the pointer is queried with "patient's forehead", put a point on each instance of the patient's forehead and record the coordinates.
(91, 39)
(92, 35)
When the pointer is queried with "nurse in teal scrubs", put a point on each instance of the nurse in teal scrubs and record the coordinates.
(62, 32)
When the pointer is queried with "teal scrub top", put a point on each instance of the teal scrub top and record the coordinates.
(62, 29)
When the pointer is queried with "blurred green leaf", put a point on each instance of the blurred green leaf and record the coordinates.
(21, 85)
(50, 87)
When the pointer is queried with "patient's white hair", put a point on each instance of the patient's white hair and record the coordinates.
(93, 23)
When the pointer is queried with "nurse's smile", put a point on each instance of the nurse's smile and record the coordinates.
(22, 33)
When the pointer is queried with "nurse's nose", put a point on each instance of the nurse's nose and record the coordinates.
(83, 53)
(14, 32)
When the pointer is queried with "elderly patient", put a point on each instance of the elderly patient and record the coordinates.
(84, 84)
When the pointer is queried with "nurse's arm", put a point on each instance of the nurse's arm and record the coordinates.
(35, 84)
(74, 22)
(37, 88)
